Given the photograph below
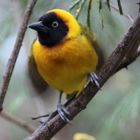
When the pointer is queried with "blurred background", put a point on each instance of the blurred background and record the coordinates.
(114, 112)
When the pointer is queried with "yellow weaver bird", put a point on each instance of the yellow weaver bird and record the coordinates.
(64, 53)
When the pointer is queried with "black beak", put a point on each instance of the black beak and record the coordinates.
(38, 26)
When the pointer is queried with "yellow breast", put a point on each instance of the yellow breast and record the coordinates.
(66, 66)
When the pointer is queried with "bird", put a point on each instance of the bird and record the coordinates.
(65, 54)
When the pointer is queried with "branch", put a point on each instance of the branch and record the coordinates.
(131, 40)
(22, 124)
(127, 60)
(15, 52)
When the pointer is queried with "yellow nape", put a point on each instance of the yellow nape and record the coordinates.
(82, 136)
(70, 21)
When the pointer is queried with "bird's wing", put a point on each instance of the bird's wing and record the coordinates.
(93, 40)
(37, 81)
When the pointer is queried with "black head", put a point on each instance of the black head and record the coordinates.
(50, 28)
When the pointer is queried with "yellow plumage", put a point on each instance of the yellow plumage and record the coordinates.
(66, 65)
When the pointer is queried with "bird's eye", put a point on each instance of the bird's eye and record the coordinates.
(55, 24)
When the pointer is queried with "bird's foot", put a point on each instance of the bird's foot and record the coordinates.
(41, 116)
(94, 79)
(62, 111)
(48, 116)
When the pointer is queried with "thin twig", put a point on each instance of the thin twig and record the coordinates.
(125, 15)
(15, 52)
(22, 124)
(78, 11)
(130, 40)
(79, 4)
(74, 4)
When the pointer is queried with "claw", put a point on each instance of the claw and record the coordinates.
(49, 116)
(94, 79)
(63, 112)
(61, 107)
(41, 122)
(42, 116)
